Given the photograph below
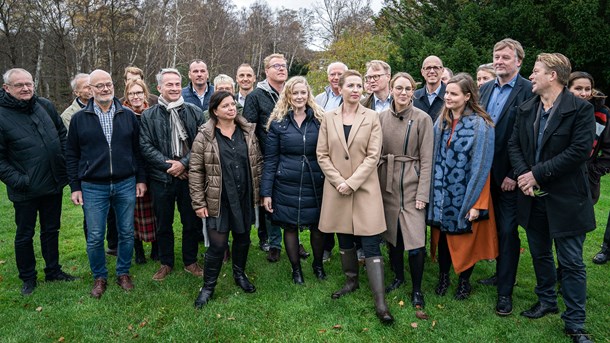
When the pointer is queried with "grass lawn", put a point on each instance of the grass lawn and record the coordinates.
(279, 311)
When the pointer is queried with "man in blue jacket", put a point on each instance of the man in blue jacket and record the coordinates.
(32, 142)
(104, 170)
(199, 90)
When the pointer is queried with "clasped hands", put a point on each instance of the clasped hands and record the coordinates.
(177, 170)
(527, 183)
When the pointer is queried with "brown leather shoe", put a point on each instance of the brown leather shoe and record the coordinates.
(99, 287)
(194, 269)
(162, 273)
(125, 282)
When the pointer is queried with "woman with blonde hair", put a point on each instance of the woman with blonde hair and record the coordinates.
(460, 210)
(136, 98)
(291, 185)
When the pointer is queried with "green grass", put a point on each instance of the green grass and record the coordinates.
(279, 311)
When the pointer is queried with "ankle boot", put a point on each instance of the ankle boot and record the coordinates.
(297, 274)
(374, 270)
(349, 264)
(211, 270)
(139, 251)
(318, 271)
(240, 257)
(463, 289)
(443, 284)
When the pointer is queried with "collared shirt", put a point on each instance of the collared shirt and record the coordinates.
(80, 103)
(433, 95)
(332, 101)
(105, 120)
(498, 98)
(382, 105)
(202, 96)
(241, 98)
(543, 118)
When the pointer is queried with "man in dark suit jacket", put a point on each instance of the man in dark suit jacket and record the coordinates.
(501, 98)
(550, 144)
(431, 97)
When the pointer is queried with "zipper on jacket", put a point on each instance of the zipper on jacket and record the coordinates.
(402, 171)
(303, 157)
(110, 151)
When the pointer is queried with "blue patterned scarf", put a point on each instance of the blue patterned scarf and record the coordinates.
(460, 171)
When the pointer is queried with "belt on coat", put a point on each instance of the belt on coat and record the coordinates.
(390, 159)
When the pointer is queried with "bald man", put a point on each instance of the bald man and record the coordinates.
(105, 170)
(430, 98)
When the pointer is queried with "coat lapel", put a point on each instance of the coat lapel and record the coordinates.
(511, 97)
(338, 123)
(563, 109)
(356, 125)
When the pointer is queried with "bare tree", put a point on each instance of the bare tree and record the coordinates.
(337, 16)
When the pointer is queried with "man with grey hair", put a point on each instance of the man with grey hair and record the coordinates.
(431, 97)
(82, 91)
(199, 90)
(378, 75)
(167, 133)
(331, 97)
(32, 147)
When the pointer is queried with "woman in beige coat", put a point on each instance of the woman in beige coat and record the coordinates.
(404, 173)
(349, 146)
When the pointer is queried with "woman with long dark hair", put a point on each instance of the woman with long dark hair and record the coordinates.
(224, 177)
(460, 210)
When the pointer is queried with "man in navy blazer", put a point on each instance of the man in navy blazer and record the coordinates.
(431, 97)
(501, 98)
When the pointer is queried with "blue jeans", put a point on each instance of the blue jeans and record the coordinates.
(97, 199)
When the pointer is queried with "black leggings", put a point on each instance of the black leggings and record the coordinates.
(444, 258)
(219, 242)
(291, 243)
(370, 244)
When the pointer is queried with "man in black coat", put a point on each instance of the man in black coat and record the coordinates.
(32, 145)
(501, 98)
(431, 97)
(550, 144)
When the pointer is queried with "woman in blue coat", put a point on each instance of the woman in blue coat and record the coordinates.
(291, 186)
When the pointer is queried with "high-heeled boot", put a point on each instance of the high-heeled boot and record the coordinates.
(349, 264)
(374, 269)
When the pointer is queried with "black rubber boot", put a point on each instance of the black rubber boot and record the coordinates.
(349, 264)
(374, 270)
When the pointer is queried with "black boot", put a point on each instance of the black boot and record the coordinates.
(297, 274)
(416, 266)
(443, 284)
(603, 255)
(463, 289)
(394, 285)
(139, 251)
(211, 270)
(374, 269)
(240, 257)
(318, 271)
(349, 264)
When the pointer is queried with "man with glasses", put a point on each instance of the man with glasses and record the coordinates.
(199, 90)
(431, 97)
(331, 97)
(105, 170)
(378, 75)
(168, 130)
(31, 165)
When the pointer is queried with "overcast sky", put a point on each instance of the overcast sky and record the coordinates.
(296, 4)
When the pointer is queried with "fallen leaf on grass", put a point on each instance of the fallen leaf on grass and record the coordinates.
(61, 339)
(522, 250)
(421, 315)
(143, 323)
(401, 303)
(1, 278)
(337, 327)
(322, 331)
(135, 335)
(231, 318)
(433, 323)
(414, 325)
(2, 261)
(365, 329)
(73, 268)
(130, 327)
(218, 315)
(441, 306)
(39, 309)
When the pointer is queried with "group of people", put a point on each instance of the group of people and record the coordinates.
(471, 159)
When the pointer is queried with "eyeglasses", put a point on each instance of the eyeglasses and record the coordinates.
(431, 68)
(101, 86)
(138, 94)
(21, 85)
(278, 66)
(370, 78)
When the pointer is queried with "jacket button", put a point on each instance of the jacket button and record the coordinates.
(547, 174)
(347, 157)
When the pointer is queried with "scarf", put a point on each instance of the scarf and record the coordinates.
(178, 135)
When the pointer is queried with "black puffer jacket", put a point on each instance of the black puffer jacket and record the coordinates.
(155, 133)
(32, 145)
(258, 107)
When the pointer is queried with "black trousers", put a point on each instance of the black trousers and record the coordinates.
(509, 244)
(569, 254)
(26, 213)
(607, 233)
(370, 244)
(165, 197)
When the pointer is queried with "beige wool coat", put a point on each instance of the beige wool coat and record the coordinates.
(404, 173)
(355, 163)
